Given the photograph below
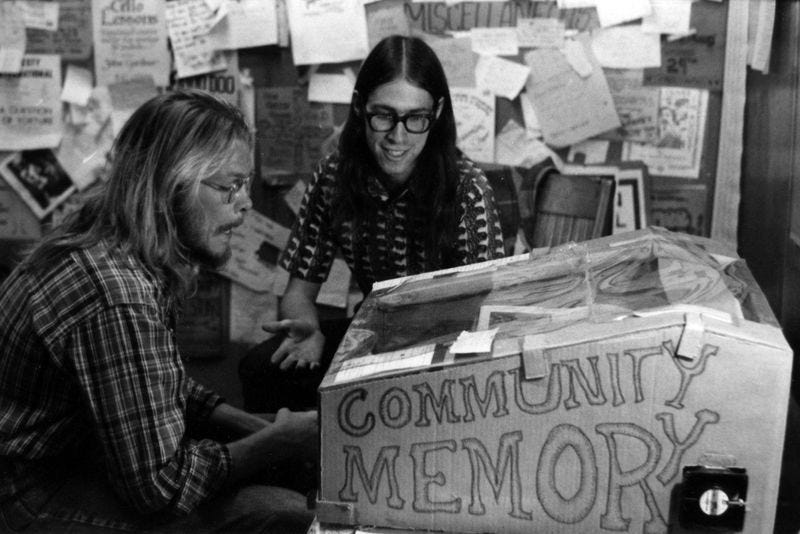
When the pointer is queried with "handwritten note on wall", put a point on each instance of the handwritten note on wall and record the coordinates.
(189, 22)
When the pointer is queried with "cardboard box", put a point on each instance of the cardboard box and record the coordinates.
(635, 383)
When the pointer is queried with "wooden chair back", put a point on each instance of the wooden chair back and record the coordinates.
(558, 208)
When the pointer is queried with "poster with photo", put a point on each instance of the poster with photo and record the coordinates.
(681, 131)
(38, 178)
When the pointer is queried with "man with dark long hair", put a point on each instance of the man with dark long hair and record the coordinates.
(100, 428)
(397, 198)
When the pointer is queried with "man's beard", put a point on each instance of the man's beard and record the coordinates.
(205, 258)
(193, 241)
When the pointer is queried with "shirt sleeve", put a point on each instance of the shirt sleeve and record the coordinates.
(480, 235)
(137, 393)
(200, 401)
(310, 250)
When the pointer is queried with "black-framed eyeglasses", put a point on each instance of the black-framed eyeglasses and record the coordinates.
(413, 122)
(230, 190)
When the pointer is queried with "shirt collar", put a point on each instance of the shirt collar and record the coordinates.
(378, 191)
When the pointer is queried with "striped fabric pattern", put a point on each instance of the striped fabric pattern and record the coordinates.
(392, 245)
(90, 373)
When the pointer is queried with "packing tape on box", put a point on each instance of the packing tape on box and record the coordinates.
(535, 361)
(691, 343)
(335, 512)
(535, 347)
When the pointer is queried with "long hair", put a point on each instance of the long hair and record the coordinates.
(411, 59)
(167, 145)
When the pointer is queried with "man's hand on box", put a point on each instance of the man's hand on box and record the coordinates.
(302, 347)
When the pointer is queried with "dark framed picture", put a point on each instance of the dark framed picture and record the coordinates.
(632, 195)
(38, 178)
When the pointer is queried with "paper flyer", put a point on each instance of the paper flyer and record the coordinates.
(189, 23)
(697, 60)
(327, 31)
(570, 108)
(87, 140)
(669, 16)
(500, 76)
(540, 32)
(256, 245)
(636, 104)
(626, 47)
(130, 41)
(73, 37)
(224, 84)
(30, 104)
(474, 112)
(515, 147)
(494, 41)
(12, 36)
(40, 15)
(246, 24)
(457, 59)
(291, 132)
(384, 19)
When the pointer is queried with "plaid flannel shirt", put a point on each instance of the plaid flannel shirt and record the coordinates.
(90, 374)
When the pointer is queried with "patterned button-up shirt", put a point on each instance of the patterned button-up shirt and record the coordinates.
(392, 244)
(90, 373)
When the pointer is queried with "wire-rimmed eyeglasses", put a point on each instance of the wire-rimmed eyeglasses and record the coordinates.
(230, 190)
(413, 122)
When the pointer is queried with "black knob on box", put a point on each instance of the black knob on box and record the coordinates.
(713, 498)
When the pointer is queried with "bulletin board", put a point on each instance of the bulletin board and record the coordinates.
(679, 201)
(269, 58)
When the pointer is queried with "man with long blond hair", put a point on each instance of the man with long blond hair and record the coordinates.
(100, 428)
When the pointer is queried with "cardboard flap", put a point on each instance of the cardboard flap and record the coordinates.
(693, 337)
(535, 361)
(691, 342)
